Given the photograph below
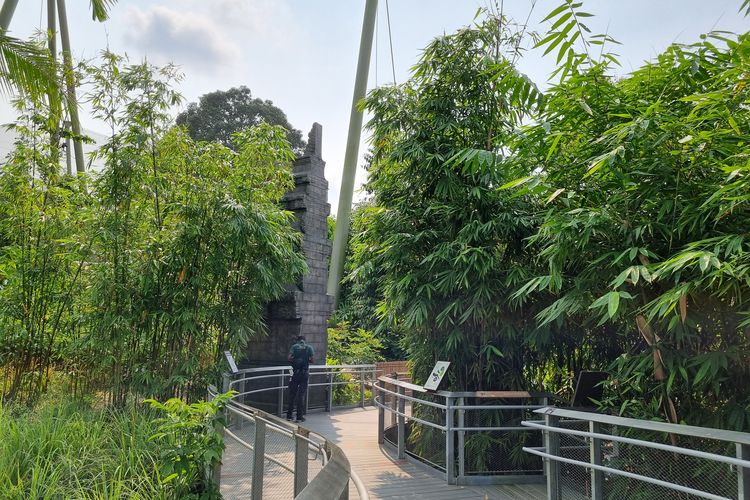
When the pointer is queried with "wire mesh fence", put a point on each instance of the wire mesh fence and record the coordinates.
(697, 473)
(467, 435)
(496, 446)
(424, 416)
(279, 469)
(575, 480)
(601, 456)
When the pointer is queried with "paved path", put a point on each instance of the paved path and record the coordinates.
(355, 431)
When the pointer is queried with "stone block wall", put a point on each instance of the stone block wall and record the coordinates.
(306, 307)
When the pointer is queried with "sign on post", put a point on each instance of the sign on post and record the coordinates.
(438, 372)
(230, 360)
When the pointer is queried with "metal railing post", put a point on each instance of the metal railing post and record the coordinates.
(300, 460)
(461, 439)
(225, 380)
(362, 387)
(597, 476)
(216, 472)
(449, 443)
(394, 403)
(259, 453)
(329, 401)
(401, 425)
(280, 408)
(743, 473)
(307, 392)
(552, 445)
(381, 415)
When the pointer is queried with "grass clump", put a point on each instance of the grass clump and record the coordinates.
(71, 450)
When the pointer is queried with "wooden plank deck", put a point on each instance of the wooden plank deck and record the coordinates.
(355, 431)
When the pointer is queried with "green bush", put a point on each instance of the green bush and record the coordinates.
(71, 449)
(190, 446)
(352, 346)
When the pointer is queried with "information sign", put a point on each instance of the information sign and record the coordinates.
(230, 360)
(437, 375)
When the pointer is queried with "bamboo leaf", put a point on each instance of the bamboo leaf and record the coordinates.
(554, 195)
(613, 303)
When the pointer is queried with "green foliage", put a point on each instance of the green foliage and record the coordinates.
(190, 447)
(68, 450)
(352, 346)
(100, 9)
(525, 237)
(360, 296)
(136, 280)
(647, 233)
(40, 261)
(26, 68)
(218, 115)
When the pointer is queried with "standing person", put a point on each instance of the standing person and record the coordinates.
(300, 356)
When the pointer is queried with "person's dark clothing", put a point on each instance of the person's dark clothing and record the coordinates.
(297, 393)
(300, 355)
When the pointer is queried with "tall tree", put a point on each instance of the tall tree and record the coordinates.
(217, 115)
(445, 240)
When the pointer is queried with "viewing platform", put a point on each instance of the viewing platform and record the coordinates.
(383, 438)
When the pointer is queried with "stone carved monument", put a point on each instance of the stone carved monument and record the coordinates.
(305, 308)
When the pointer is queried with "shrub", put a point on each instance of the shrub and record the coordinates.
(190, 446)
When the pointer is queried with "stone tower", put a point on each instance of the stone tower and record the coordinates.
(306, 307)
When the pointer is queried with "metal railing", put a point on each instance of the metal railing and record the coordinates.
(329, 386)
(590, 455)
(474, 437)
(268, 457)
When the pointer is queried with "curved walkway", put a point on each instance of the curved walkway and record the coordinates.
(355, 431)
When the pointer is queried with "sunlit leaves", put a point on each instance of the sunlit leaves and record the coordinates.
(568, 29)
(654, 221)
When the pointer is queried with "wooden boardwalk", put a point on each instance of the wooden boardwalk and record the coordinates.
(355, 431)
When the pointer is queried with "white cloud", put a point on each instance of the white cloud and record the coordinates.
(272, 21)
(182, 37)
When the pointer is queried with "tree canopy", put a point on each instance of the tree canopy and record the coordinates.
(220, 114)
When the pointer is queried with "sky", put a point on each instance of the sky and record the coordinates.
(302, 54)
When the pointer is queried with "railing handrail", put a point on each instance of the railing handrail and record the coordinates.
(401, 383)
(466, 394)
(333, 478)
(256, 369)
(640, 442)
(650, 425)
(554, 427)
(287, 371)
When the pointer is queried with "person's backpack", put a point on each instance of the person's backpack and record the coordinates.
(300, 356)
